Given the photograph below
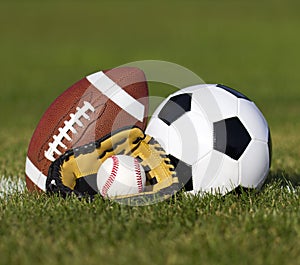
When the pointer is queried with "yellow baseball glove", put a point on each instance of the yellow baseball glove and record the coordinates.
(76, 170)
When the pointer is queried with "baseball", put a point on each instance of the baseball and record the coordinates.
(120, 175)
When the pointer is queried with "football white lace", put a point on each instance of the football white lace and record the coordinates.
(63, 132)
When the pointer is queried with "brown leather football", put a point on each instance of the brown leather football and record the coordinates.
(89, 110)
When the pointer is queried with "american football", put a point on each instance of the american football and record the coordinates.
(90, 109)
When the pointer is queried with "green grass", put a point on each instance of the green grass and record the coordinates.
(252, 46)
(251, 228)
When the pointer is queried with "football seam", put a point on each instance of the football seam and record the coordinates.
(68, 126)
(90, 124)
(120, 79)
(64, 117)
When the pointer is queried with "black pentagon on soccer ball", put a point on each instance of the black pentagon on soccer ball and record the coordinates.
(183, 172)
(175, 107)
(231, 137)
(270, 147)
(233, 92)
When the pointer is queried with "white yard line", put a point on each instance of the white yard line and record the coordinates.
(11, 185)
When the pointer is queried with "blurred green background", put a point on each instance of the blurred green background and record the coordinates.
(252, 46)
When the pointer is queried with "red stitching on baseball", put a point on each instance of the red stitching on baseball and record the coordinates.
(138, 175)
(110, 180)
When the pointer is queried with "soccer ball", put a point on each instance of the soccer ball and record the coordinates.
(215, 136)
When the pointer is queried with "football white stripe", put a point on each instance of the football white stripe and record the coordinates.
(118, 95)
(36, 176)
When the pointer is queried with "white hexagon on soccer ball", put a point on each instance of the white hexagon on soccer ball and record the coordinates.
(253, 120)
